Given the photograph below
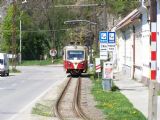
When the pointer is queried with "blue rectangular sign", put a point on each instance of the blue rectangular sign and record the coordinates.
(103, 36)
(111, 37)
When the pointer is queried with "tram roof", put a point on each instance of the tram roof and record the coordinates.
(75, 47)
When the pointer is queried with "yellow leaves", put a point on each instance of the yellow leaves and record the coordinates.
(108, 105)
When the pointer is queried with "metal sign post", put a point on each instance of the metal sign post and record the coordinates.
(107, 46)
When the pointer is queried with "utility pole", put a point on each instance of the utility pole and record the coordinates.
(54, 36)
(134, 45)
(96, 29)
(20, 40)
(14, 36)
(20, 34)
(152, 108)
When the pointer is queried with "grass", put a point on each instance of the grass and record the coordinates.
(158, 93)
(41, 62)
(14, 70)
(114, 104)
(44, 109)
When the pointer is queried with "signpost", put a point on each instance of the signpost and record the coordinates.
(53, 53)
(107, 46)
(107, 43)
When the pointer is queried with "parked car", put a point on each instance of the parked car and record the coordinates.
(4, 64)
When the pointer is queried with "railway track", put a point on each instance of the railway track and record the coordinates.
(68, 104)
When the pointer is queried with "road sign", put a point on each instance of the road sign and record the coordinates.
(98, 65)
(103, 55)
(111, 47)
(53, 52)
(103, 36)
(103, 46)
(111, 38)
(107, 37)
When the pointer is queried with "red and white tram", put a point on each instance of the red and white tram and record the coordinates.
(75, 59)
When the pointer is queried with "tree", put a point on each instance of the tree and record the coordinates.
(7, 31)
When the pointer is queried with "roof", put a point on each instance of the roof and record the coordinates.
(128, 19)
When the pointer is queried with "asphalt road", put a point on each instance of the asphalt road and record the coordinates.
(19, 90)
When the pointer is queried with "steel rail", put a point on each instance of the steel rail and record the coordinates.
(76, 103)
(57, 113)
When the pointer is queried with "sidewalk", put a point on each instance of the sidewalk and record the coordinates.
(136, 92)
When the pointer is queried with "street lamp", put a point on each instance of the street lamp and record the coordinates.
(25, 1)
(20, 36)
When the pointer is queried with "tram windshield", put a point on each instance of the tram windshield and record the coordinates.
(75, 55)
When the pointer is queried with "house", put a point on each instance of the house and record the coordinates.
(133, 44)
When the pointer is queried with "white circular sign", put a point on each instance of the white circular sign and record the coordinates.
(53, 52)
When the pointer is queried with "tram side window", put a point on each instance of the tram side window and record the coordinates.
(75, 55)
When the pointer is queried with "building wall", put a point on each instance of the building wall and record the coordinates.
(146, 49)
(120, 49)
(142, 49)
(138, 51)
(125, 52)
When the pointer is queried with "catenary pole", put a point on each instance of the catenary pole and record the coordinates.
(152, 108)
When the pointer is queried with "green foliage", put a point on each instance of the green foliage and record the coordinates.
(158, 93)
(115, 105)
(7, 31)
(14, 70)
(62, 15)
(65, 2)
(41, 62)
(120, 7)
(45, 109)
(43, 26)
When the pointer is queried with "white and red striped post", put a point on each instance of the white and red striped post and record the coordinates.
(152, 108)
(153, 51)
(152, 104)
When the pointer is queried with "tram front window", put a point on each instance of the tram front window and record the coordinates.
(75, 55)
